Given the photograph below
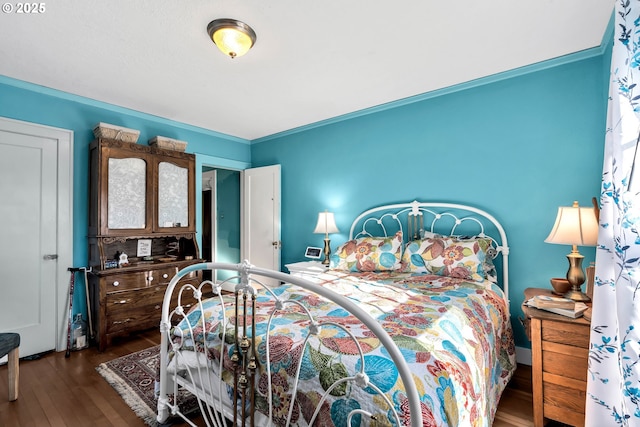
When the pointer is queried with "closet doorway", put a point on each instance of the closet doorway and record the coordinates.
(221, 217)
(238, 214)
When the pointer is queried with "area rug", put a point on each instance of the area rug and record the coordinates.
(134, 377)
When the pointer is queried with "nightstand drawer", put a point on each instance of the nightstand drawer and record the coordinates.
(572, 399)
(565, 404)
(557, 360)
(564, 399)
(565, 333)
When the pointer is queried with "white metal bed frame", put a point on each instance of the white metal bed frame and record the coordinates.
(441, 218)
(248, 279)
(447, 219)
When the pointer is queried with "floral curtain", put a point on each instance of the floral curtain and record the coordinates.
(613, 388)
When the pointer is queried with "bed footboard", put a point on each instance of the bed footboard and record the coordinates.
(246, 365)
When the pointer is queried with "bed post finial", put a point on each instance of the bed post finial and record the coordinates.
(415, 207)
(415, 225)
(244, 272)
(245, 265)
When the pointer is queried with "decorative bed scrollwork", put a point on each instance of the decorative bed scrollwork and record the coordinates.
(374, 348)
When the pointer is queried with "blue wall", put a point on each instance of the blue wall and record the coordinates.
(517, 147)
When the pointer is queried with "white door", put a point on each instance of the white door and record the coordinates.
(261, 217)
(36, 241)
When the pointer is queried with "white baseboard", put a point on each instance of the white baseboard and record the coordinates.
(523, 355)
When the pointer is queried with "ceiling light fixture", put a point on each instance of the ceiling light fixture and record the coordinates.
(233, 37)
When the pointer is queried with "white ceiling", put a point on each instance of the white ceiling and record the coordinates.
(313, 60)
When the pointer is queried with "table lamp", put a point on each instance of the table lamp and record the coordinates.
(575, 226)
(326, 224)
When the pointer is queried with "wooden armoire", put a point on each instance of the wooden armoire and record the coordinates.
(141, 232)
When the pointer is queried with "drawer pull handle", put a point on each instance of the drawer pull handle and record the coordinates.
(157, 307)
(116, 283)
(124, 301)
(150, 278)
(165, 275)
(119, 322)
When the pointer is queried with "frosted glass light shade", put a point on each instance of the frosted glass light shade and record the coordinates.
(326, 223)
(234, 38)
(574, 226)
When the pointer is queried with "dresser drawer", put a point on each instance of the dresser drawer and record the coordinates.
(138, 315)
(124, 281)
(152, 296)
(142, 318)
(161, 275)
(134, 299)
(141, 279)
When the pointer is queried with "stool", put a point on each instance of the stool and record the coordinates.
(10, 344)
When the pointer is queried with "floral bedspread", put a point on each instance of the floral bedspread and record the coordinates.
(455, 336)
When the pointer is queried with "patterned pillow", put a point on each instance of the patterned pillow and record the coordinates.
(369, 254)
(466, 258)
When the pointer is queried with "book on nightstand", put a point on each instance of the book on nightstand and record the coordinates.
(558, 305)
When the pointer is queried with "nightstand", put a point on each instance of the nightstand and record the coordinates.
(307, 269)
(560, 357)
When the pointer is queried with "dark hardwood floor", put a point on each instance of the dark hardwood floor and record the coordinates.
(60, 392)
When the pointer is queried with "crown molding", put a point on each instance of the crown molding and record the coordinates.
(32, 87)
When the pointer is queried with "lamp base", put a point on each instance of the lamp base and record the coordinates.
(327, 252)
(575, 276)
(577, 295)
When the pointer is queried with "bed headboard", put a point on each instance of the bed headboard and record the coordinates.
(447, 219)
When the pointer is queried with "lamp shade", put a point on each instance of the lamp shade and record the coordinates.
(234, 38)
(326, 223)
(574, 226)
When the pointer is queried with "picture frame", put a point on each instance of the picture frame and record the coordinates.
(313, 252)
(144, 248)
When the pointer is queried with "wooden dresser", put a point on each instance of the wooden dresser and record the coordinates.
(127, 300)
(141, 232)
(560, 354)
